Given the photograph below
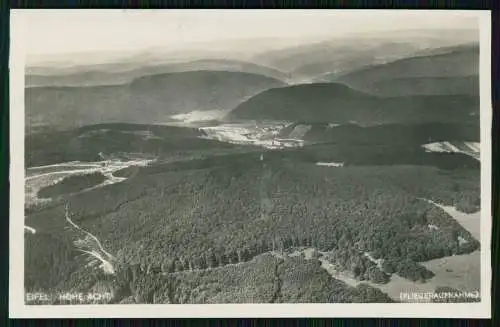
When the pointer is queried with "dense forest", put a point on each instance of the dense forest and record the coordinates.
(217, 215)
(71, 185)
(351, 144)
(85, 143)
(408, 135)
(264, 279)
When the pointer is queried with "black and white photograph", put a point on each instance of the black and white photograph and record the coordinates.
(205, 162)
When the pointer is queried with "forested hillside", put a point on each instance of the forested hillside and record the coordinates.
(218, 215)
(337, 103)
(146, 100)
(85, 144)
(407, 134)
(449, 71)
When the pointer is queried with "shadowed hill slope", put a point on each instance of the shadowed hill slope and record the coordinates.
(453, 70)
(337, 103)
(149, 99)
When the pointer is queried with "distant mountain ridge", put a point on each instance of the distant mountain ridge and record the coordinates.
(408, 86)
(453, 70)
(307, 61)
(452, 61)
(150, 99)
(418, 77)
(342, 55)
(300, 60)
(116, 74)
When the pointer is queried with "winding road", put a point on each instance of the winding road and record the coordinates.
(91, 245)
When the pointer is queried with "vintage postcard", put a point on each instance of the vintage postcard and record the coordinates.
(260, 163)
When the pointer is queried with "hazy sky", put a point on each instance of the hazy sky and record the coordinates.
(70, 31)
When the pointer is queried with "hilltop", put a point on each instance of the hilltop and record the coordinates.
(337, 103)
(114, 74)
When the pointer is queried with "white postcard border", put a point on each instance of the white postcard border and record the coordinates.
(18, 309)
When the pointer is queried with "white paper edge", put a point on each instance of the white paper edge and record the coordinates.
(17, 308)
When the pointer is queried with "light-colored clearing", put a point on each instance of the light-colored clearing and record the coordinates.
(90, 245)
(469, 148)
(330, 164)
(30, 229)
(43, 176)
(460, 272)
(263, 134)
